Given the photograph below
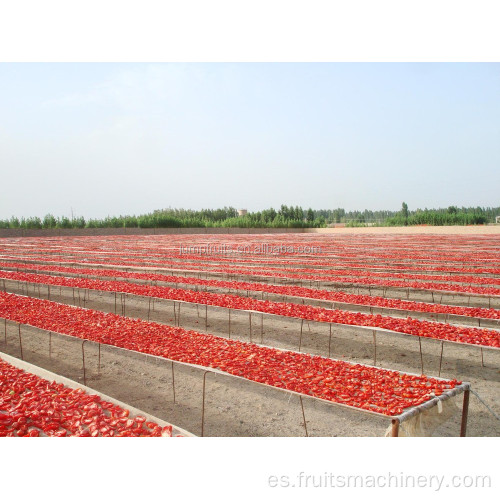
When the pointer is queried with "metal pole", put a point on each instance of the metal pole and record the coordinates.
(50, 344)
(250, 323)
(330, 341)
(374, 347)
(300, 338)
(206, 317)
(303, 416)
(203, 405)
(421, 357)
(83, 360)
(441, 358)
(262, 328)
(173, 381)
(465, 413)
(20, 341)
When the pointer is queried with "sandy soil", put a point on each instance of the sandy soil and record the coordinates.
(489, 229)
(467, 230)
(240, 408)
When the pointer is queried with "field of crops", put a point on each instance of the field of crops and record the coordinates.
(252, 335)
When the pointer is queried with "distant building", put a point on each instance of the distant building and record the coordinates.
(497, 219)
(242, 212)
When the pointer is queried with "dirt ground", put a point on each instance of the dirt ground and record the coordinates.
(467, 230)
(236, 407)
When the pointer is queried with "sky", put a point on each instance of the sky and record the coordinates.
(98, 139)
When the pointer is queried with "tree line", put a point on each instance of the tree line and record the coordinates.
(285, 216)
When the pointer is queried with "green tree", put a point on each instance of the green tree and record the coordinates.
(404, 212)
(49, 221)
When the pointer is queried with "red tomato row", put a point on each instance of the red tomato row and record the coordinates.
(414, 251)
(151, 250)
(322, 273)
(374, 389)
(304, 275)
(295, 291)
(432, 329)
(32, 406)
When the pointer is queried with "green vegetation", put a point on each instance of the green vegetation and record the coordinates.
(291, 217)
(450, 216)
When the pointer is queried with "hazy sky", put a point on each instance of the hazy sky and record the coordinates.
(130, 138)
